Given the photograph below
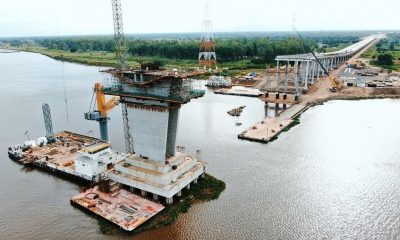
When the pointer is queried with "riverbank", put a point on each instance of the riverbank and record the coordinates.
(107, 59)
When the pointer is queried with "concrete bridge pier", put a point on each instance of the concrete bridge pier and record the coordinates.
(313, 71)
(296, 76)
(307, 77)
(278, 75)
(287, 75)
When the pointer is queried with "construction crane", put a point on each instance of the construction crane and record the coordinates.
(103, 107)
(335, 84)
(119, 36)
(120, 53)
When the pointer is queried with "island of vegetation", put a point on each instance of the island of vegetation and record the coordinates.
(207, 189)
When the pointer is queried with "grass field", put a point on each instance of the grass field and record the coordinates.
(372, 53)
(107, 59)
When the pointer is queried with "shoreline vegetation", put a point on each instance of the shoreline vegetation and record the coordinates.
(207, 189)
(237, 53)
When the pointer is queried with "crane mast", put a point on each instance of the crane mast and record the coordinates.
(119, 37)
(120, 54)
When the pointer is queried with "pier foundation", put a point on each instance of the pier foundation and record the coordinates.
(169, 200)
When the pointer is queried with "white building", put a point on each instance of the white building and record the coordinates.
(96, 159)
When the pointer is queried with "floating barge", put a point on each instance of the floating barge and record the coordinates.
(240, 91)
(70, 154)
(119, 206)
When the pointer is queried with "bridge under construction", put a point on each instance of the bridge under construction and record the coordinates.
(307, 70)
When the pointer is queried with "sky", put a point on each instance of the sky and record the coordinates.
(90, 17)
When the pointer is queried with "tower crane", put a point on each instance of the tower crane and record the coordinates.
(101, 113)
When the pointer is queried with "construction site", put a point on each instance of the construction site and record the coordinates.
(153, 169)
(132, 187)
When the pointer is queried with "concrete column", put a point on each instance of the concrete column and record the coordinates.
(306, 79)
(296, 76)
(203, 175)
(195, 181)
(179, 194)
(169, 200)
(323, 64)
(143, 193)
(188, 186)
(155, 197)
(135, 77)
(131, 189)
(284, 106)
(312, 71)
(286, 76)
(331, 63)
(278, 75)
(141, 77)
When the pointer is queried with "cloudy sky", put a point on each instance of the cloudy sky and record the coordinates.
(81, 17)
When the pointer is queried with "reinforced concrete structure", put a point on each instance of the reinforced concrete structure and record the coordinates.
(152, 101)
(306, 69)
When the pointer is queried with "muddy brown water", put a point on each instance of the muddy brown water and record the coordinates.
(334, 176)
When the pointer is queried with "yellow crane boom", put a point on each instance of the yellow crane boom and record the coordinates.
(101, 113)
(103, 105)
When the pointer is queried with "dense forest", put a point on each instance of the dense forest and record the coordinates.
(257, 48)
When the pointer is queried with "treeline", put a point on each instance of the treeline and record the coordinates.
(259, 50)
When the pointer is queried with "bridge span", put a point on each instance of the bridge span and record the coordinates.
(306, 69)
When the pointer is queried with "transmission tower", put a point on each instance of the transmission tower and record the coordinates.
(207, 56)
(47, 120)
(119, 37)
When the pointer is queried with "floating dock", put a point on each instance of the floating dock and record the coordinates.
(240, 91)
(121, 207)
(59, 156)
(269, 128)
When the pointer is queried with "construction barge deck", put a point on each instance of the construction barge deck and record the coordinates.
(60, 156)
(120, 207)
(269, 128)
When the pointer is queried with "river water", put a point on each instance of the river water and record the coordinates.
(334, 176)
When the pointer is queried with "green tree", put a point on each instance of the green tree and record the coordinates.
(385, 59)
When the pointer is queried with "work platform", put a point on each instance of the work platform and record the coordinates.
(122, 208)
(63, 155)
(269, 128)
(240, 91)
